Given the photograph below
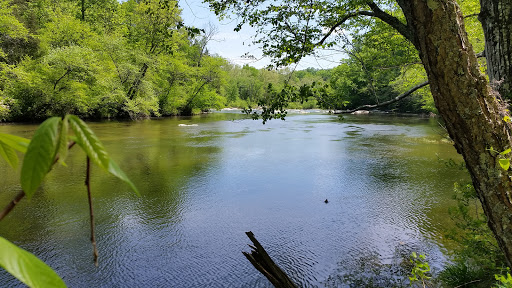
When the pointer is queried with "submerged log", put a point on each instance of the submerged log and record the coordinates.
(260, 259)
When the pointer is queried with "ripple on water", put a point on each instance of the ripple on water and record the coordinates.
(203, 187)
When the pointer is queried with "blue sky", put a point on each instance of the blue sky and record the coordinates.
(232, 45)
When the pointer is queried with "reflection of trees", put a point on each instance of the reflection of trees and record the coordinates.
(160, 158)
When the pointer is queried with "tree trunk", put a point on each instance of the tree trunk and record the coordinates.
(473, 114)
(496, 18)
(138, 80)
(82, 9)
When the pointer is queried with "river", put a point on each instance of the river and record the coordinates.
(204, 185)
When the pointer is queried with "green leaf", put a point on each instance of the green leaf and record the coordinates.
(26, 267)
(506, 152)
(89, 142)
(40, 155)
(504, 163)
(15, 142)
(95, 150)
(116, 171)
(9, 155)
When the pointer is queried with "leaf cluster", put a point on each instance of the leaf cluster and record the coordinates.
(477, 257)
(49, 145)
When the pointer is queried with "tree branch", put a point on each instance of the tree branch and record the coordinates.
(481, 54)
(392, 21)
(262, 261)
(396, 99)
(91, 212)
(21, 194)
(376, 12)
(471, 15)
(117, 68)
(197, 92)
(341, 22)
(11, 204)
(61, 77)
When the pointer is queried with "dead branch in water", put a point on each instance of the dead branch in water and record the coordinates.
(260, 259)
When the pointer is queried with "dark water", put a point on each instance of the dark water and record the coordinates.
(204, 186)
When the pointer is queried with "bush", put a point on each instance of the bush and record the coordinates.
(4, 109)
(478, 257)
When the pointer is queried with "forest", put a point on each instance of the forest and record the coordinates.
(137, 59)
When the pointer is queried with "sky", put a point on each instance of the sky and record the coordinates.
(233, 45)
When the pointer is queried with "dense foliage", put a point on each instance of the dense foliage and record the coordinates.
(477, 257)
(103, 59)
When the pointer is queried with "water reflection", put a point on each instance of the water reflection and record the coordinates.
(203, 186)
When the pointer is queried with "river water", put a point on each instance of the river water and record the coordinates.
(203, 186)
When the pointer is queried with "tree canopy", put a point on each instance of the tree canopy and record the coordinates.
(475, 116)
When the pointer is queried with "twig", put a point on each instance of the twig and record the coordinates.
(471, 15)
(11, 204)
(62, 77)
(21, 194)
(470, 282)
(91, 212)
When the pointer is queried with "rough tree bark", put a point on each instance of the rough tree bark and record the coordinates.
(496, 18)
(471, 110)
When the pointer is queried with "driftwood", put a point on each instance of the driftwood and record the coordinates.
(261, 261)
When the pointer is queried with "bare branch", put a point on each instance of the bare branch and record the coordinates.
(21, 194)
(471, 15)
(91, 212)
(396, 99)
(11, 204)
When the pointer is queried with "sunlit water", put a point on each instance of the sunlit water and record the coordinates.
(204, 186)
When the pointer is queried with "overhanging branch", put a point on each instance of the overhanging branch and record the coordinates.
(392, 21)
(396, 99)
(376, 12)
(341, 22)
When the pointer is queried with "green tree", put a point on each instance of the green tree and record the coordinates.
(291, 29)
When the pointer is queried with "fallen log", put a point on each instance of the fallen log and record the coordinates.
(260, 259)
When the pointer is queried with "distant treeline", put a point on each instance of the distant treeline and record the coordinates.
(105, 59)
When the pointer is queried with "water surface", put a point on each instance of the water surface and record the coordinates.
(204, 186)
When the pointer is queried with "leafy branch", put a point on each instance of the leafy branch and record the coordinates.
(502, 159)
(49, 145)
(420, 270)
